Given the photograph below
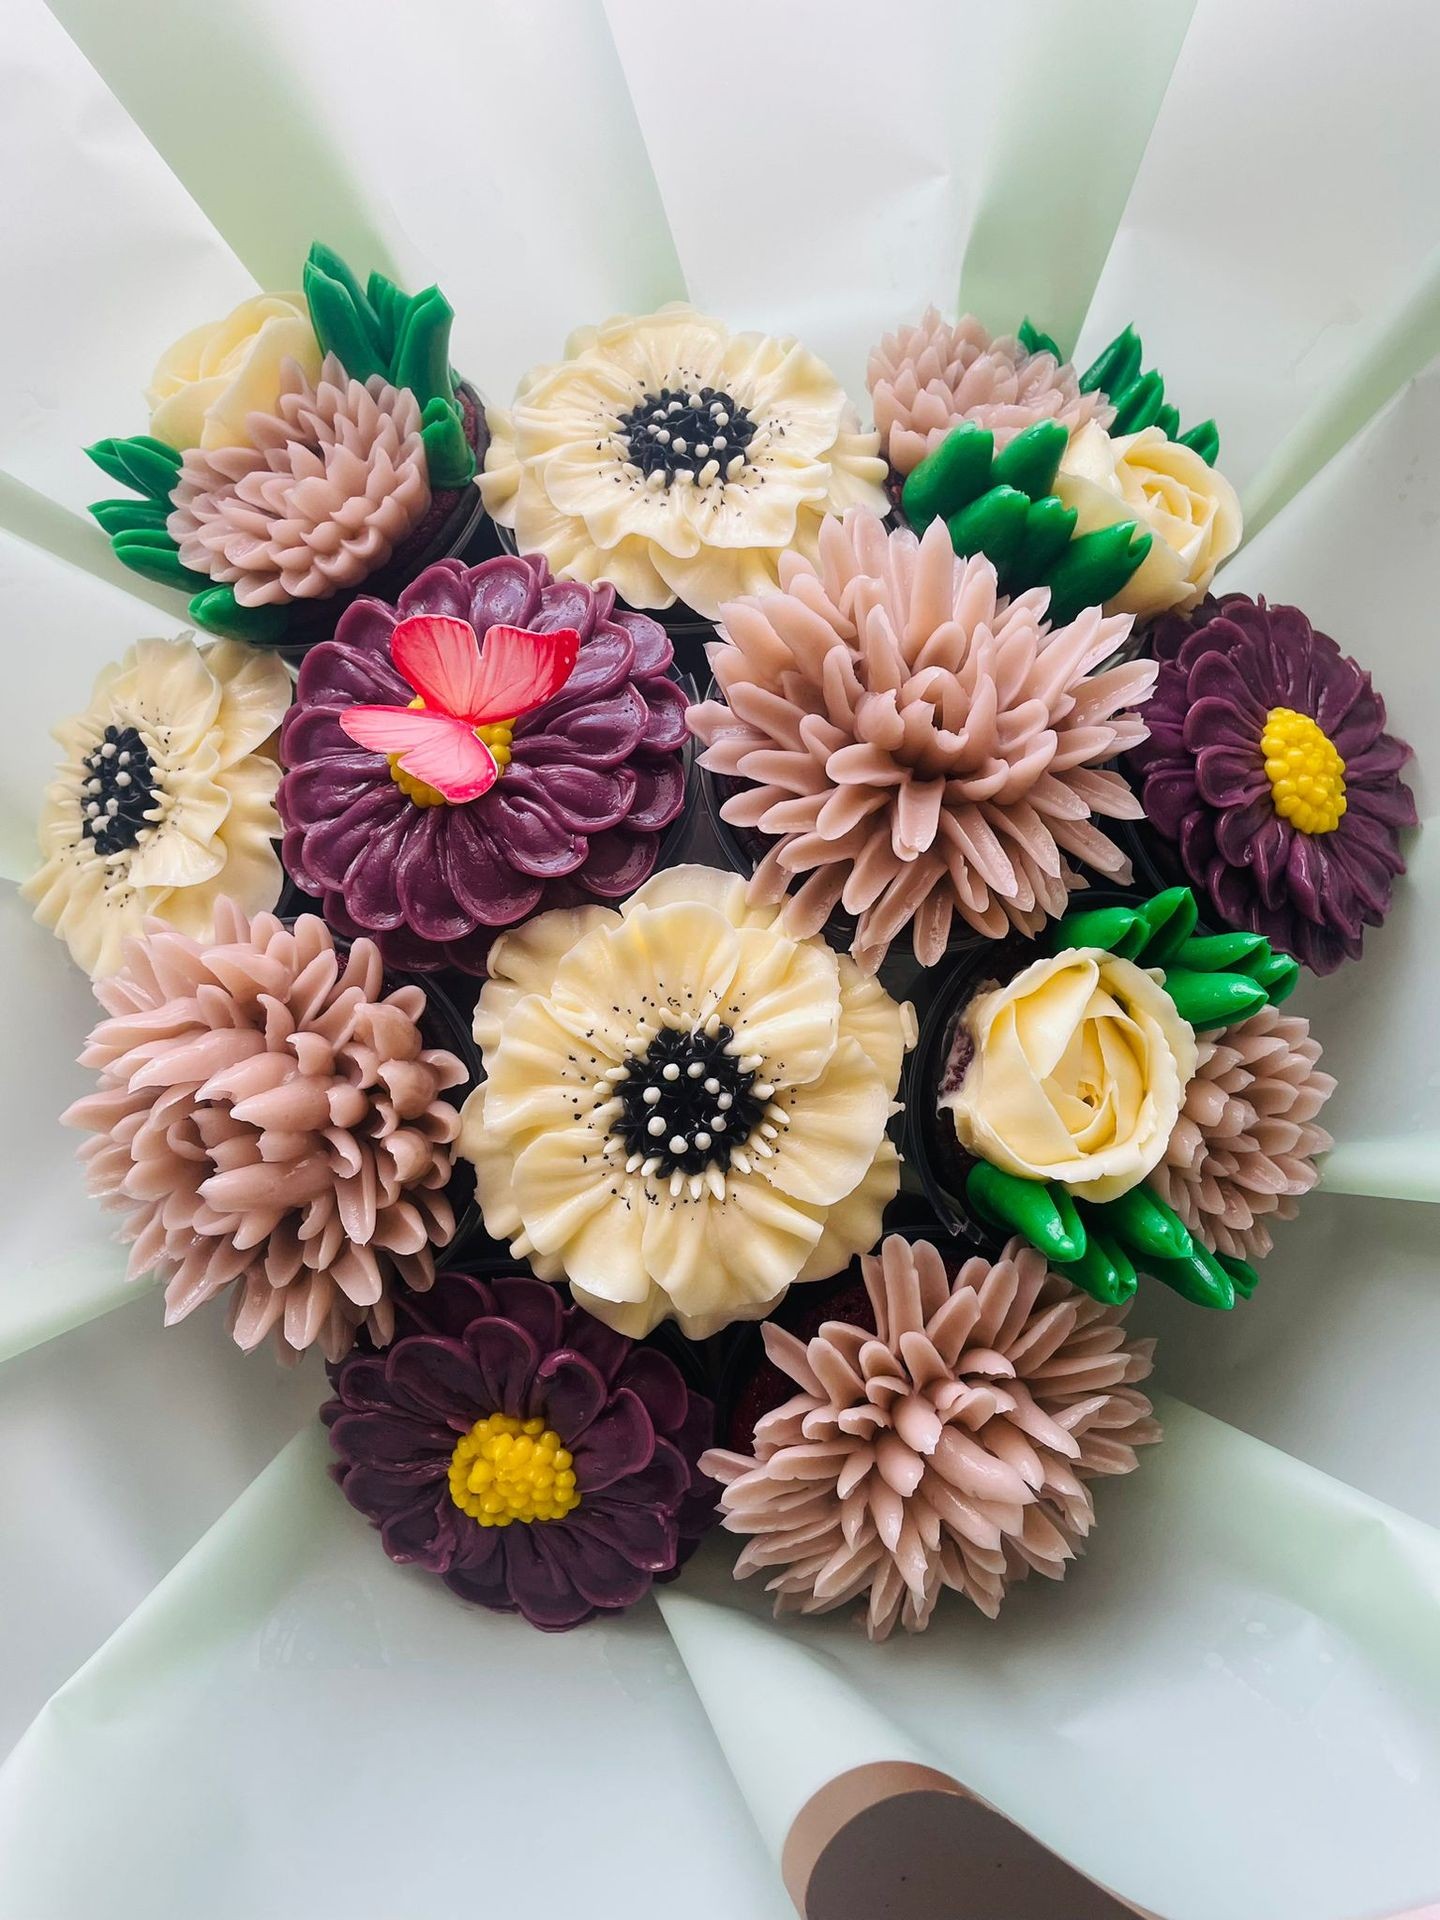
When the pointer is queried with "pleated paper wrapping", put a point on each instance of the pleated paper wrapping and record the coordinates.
(1231, 1706)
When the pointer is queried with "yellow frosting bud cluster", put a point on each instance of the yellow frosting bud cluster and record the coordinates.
(496, 737)
(1305, 771)
(507, 1469)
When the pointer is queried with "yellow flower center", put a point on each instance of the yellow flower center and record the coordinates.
(1305, 771)
(506, 1469)
(496, 737)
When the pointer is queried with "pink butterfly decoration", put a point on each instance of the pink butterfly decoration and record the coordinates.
(463, 685)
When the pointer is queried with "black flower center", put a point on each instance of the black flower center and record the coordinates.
(686, 1103)
(118, 791)
(701, 433)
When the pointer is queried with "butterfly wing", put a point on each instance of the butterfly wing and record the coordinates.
(520, 671)
(433, 747)
(440, 657)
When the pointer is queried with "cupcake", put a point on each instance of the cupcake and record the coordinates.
(677, 460)
(274, 1127)
(1270, 778)
(937, 1432)
(684, 1110)
(927, 379)
(573, 776)
(304, 445)
(164, 802)
(531, 1459)
(909, 747)
(1056, 1096)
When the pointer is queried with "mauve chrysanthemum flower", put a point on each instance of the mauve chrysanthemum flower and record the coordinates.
(594, 776)
(534, 1460)
(1269, 766)
(943, 1438)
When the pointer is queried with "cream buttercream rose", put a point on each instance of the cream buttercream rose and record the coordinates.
(1191, 512)
(1077, 1074)
(208, 384)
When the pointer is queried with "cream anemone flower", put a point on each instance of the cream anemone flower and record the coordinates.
(684, 1109)
(677, 460)
(164, 802)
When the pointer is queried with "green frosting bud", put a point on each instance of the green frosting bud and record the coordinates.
(1171, 918)
(1221, 952)
(1213, 999)
(1094, 568)
(1277, 973)
(993, 525)
(1116, 367)
(1204, 440)
(1141, 404)
(1118, 930)
(1042, 1214)
(1244, 1276)
(950, 477)
(217, 610)
(1032, 459)
(1145, 1225)
(1048, 527)
(1201, 1279)
(1104, 1271)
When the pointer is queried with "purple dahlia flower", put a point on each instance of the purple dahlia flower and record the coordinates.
(1269, 766)
(594, 776)
(534, 1460)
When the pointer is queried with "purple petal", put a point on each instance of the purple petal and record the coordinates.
(619, 1441)
(448, 1308)
(585, 799)
(437, 1380)
(533, 1305)
(534, 840)
(503, 593)
(657, 1381)
(365, 625)
(659, 794)
(653, 651)
(477, 1572)
(425, 1534)
(381, 1492)
(538, 1583)
(424, 882)
(569, 1392)
(618, 863)
(601, 1345)
(507, 1358)
(486, 884)
(392, 1440)
(443, 588)
(642, 1536)
(596, 1567)
(604, 663)
(666, 730)
(371, 896)
(600, 732)
(662, 1483)
(1230, 776)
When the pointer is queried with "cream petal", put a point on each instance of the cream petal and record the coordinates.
(579, 1212)
(784, 1004)
(853, 1225)
(255, 692)
(528, 956)
(884, 1029)
(179, 418)
(676, 960)
(256, 384)
(836, 1125)
(726, 892)
(719, 1261)
(634, 1319)
(538, 1077)
(494, 1165)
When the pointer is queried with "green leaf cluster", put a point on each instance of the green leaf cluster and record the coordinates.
(1002, 505)
(1137, 397)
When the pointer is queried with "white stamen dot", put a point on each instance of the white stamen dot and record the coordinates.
(712, 1085)
(670, 1071)
(694, 1070)
(122, 779)
(655, 1126)
(702, 1140)
(678, 1143)
(725, 1102)
(109, 750)
(651, 1096)
(124, 759)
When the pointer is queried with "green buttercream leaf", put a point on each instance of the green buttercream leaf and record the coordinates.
(1213, 999)
(1043, 1215)
(1221, 952)
(1115, 929)
(1032, 459)
(1244, 1276)
(1140, 405)
(342, 327)
(216, 609)
(422, 352)
(1144, 1225)
(1171, 918)
(449, 456)
(1033, 341)
(1104, 1271)
(1116, 367)
(1205, 440)
(950, 477)
(156, 560)
(141, 462)
(1276, 973)
(1168, 421)
(1048, 528)
(1094, 568)
(129, 515)
(1201, 1279)
(993, 525)
(389, 305)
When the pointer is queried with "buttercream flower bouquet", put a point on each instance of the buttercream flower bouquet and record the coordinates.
(662, 1103)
